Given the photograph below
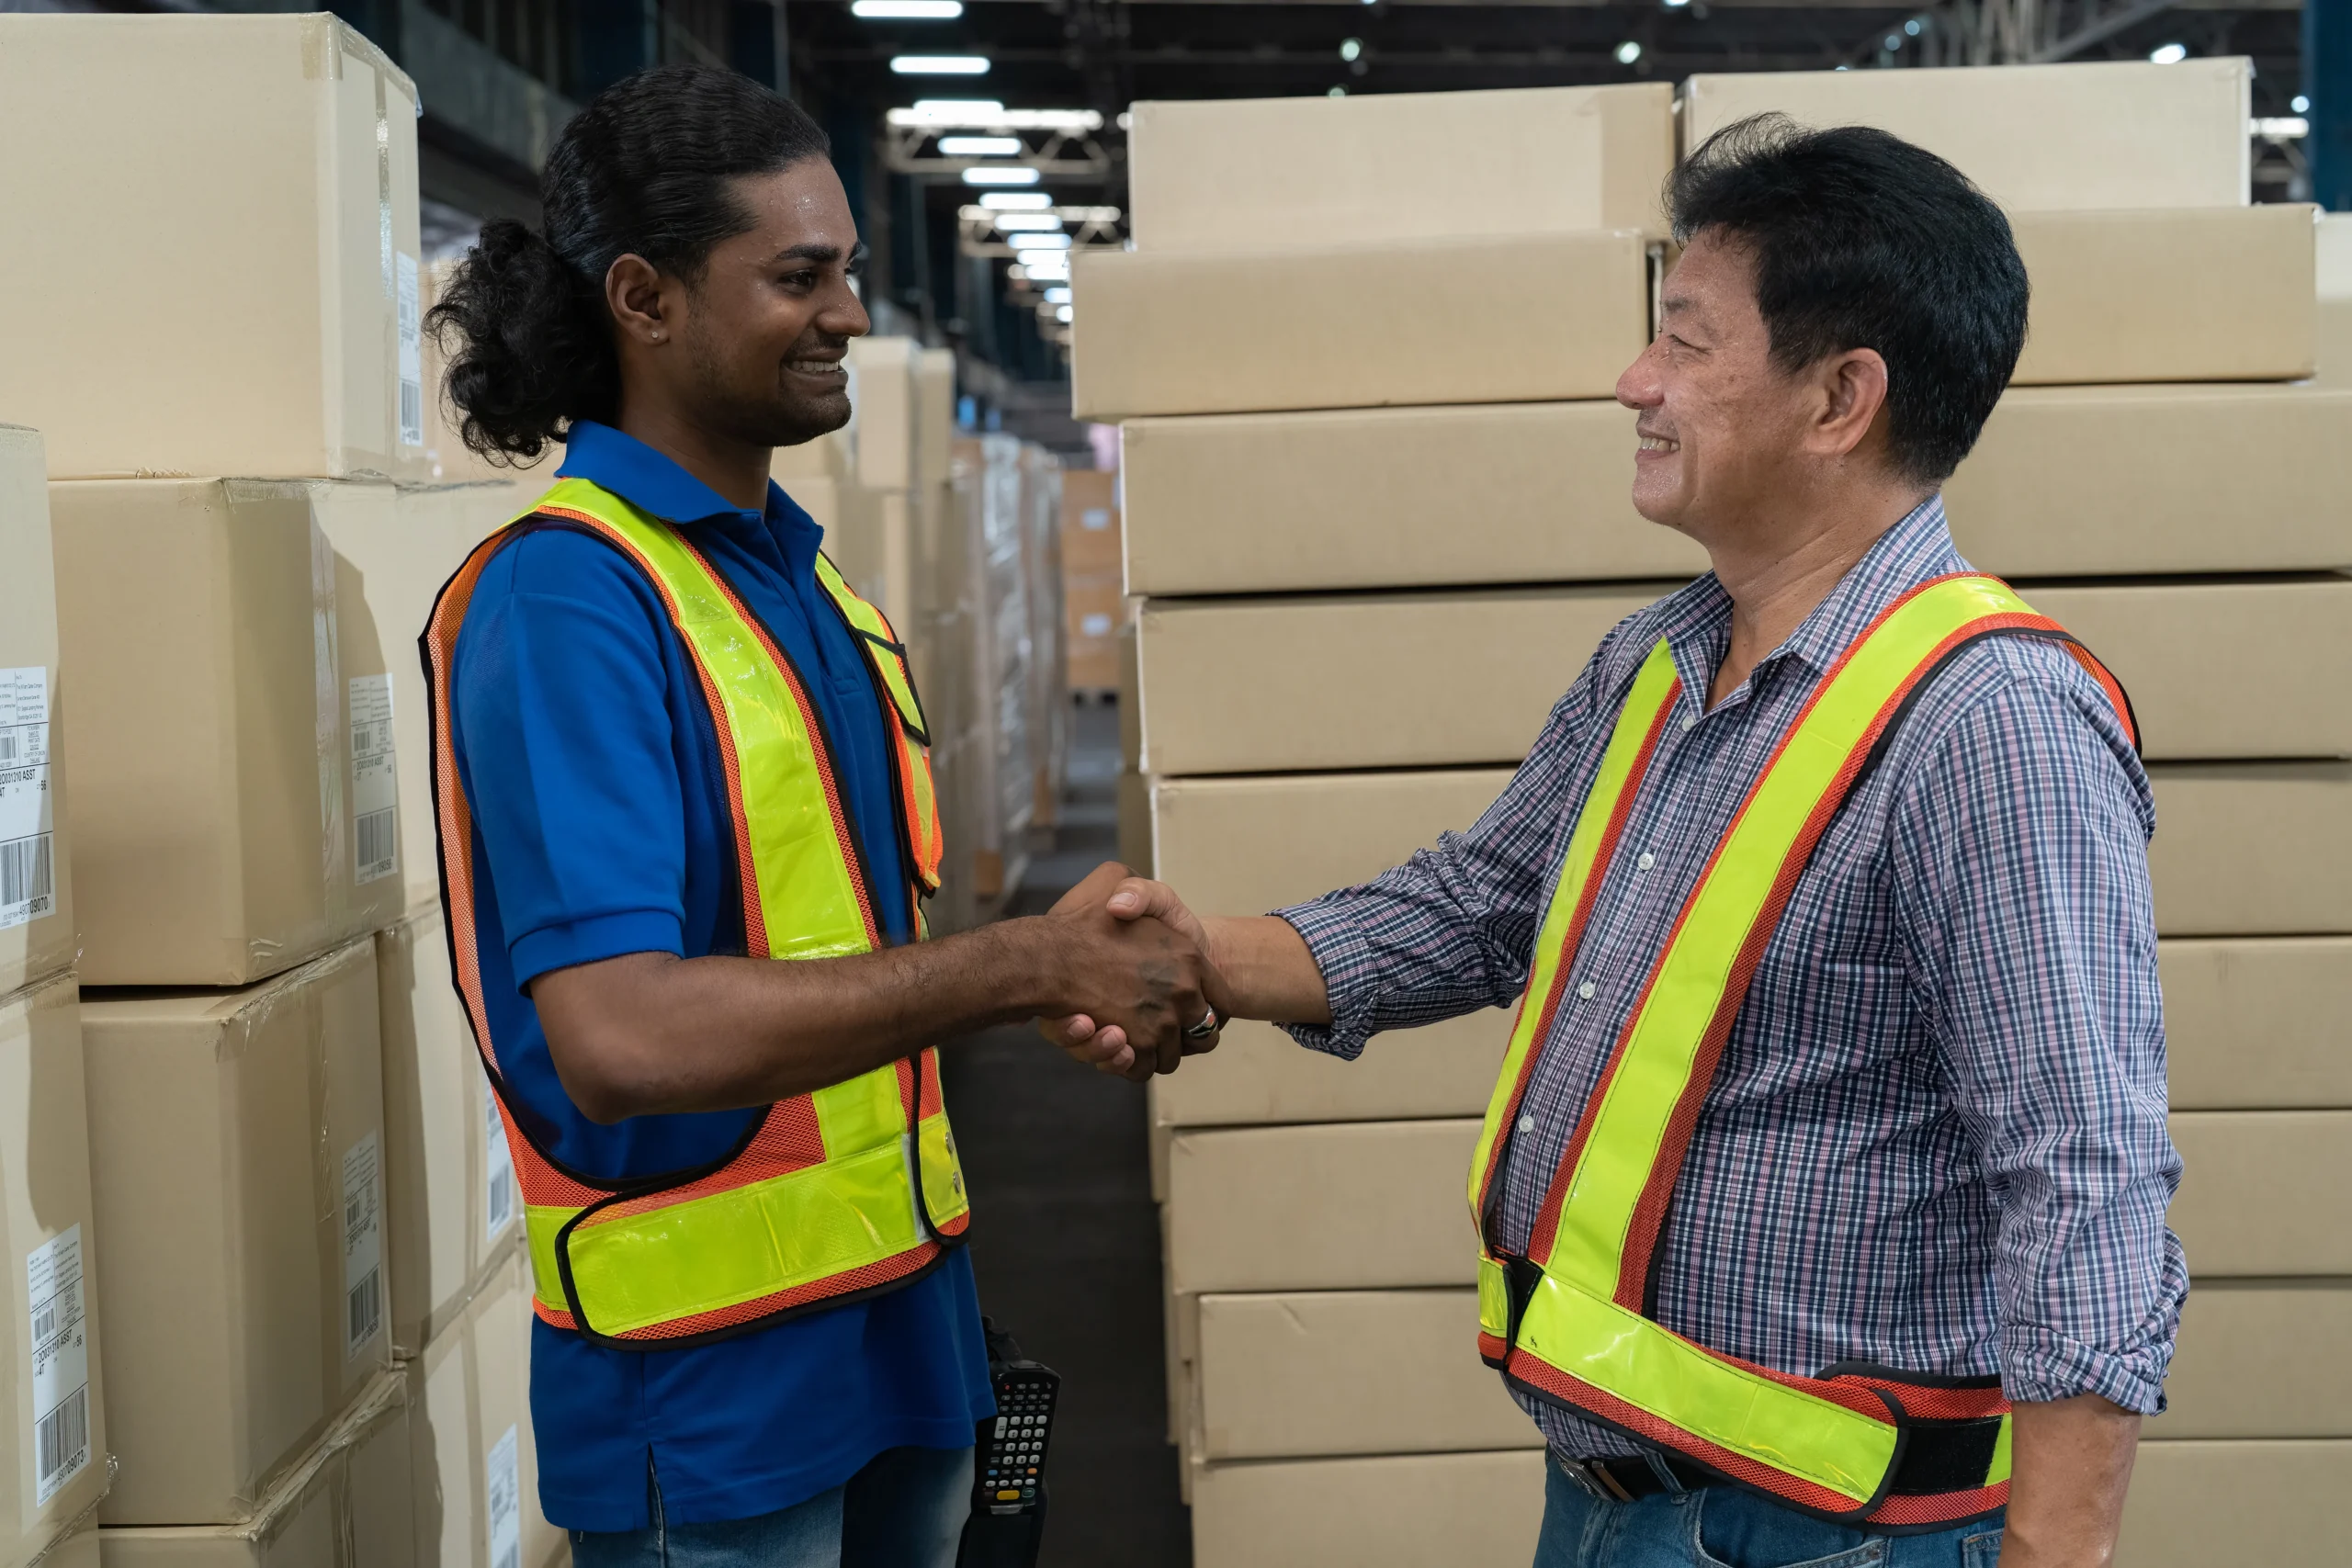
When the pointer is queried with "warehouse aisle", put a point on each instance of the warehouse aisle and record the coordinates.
(1064, 1239)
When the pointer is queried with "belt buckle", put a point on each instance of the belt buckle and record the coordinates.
(1597, 1483)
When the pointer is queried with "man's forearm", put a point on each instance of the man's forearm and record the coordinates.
(653, 1033)
(2070, 1464)
(1268, 970)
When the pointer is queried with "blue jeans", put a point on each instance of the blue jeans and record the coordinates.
(1725, 1527)
(905, 1510)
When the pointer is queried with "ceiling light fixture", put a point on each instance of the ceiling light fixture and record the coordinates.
(1045, 267)
(906, 10)
(1056, 240)
(1062, 312)
(987, 114)
(1016, 222)
(1018, 201)
(1351, 49)
(2300, 104)
(940, 64)
(2168, 54)
(1056, 295)
(1628, 52)
(981, 146)
(1001, 174)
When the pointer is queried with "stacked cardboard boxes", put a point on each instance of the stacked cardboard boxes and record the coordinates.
(53, 1437)
(277, 1123)
(1093, 595)
(2171, 324)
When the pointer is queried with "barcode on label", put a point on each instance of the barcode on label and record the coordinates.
(376, 854)
(63, 1436)
(25, 872)
(44, 1322)
(502, 1199)
(364, 1307)
(9, 747)
(411, 411)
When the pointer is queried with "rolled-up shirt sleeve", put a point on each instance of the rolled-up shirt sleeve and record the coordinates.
(1449, 930)
(2019, 854)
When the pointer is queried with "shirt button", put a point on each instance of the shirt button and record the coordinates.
(1586, 990)
(1527, 1123)
(1690, 722)
(1647, 861)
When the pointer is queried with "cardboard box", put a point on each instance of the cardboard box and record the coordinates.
(2067, 481)
(2243, 850)
(78, 1550)
(1528, 493)
(236, 1148)
(280, 154)
(1225, 684)
(1094, 610)
(2253, 849)
(345, 1503)
(1329, 1373)
(2076, 481)
(1557, 316)
(53, 1447)
(476, 1464)
(2255, 1024)
(2335, 287)
(1243, 846)
(1301, 174)
(451, 1205)
(2196, 1504)
(2265, 1024)
(1372, 680)
(882, 417)
(2246, 1368)
(1369, 1513)
(1090, 531)
(230, 818)
(389, 565)
(37, 936)
(2265, 1193)
(1260, 1074)
(2134, 135)
(2229, 670)
(2197, 294)
(934, 417)
(1255, 1208)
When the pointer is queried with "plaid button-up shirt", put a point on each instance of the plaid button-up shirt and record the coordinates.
(1936, 1139)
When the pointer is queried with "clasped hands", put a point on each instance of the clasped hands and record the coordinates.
(1138, 974)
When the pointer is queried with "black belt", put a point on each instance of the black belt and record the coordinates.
(1624, 1480)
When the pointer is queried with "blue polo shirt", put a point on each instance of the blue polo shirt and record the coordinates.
(601, 829)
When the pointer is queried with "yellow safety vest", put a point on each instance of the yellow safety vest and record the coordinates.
(850, 1191)
(1569, 1322)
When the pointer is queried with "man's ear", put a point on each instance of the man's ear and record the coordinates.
(633, 293)
(1853, 386)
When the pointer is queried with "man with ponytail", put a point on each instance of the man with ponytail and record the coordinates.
(672, 749)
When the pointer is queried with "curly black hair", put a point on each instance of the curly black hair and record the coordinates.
(642, 169)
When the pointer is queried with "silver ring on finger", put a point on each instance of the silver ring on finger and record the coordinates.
(1209, 1024)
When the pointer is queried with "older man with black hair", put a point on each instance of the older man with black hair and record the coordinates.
(1821, 1199)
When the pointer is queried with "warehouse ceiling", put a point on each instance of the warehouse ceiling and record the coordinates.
(944, 260)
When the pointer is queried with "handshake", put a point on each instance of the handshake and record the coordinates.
(1138, 976)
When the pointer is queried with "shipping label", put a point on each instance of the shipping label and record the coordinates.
(363, 1246)
(374, 781)
(503, 1493)
(60, 1351)
(28, 840)
(412, 352)
(498, 1211)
